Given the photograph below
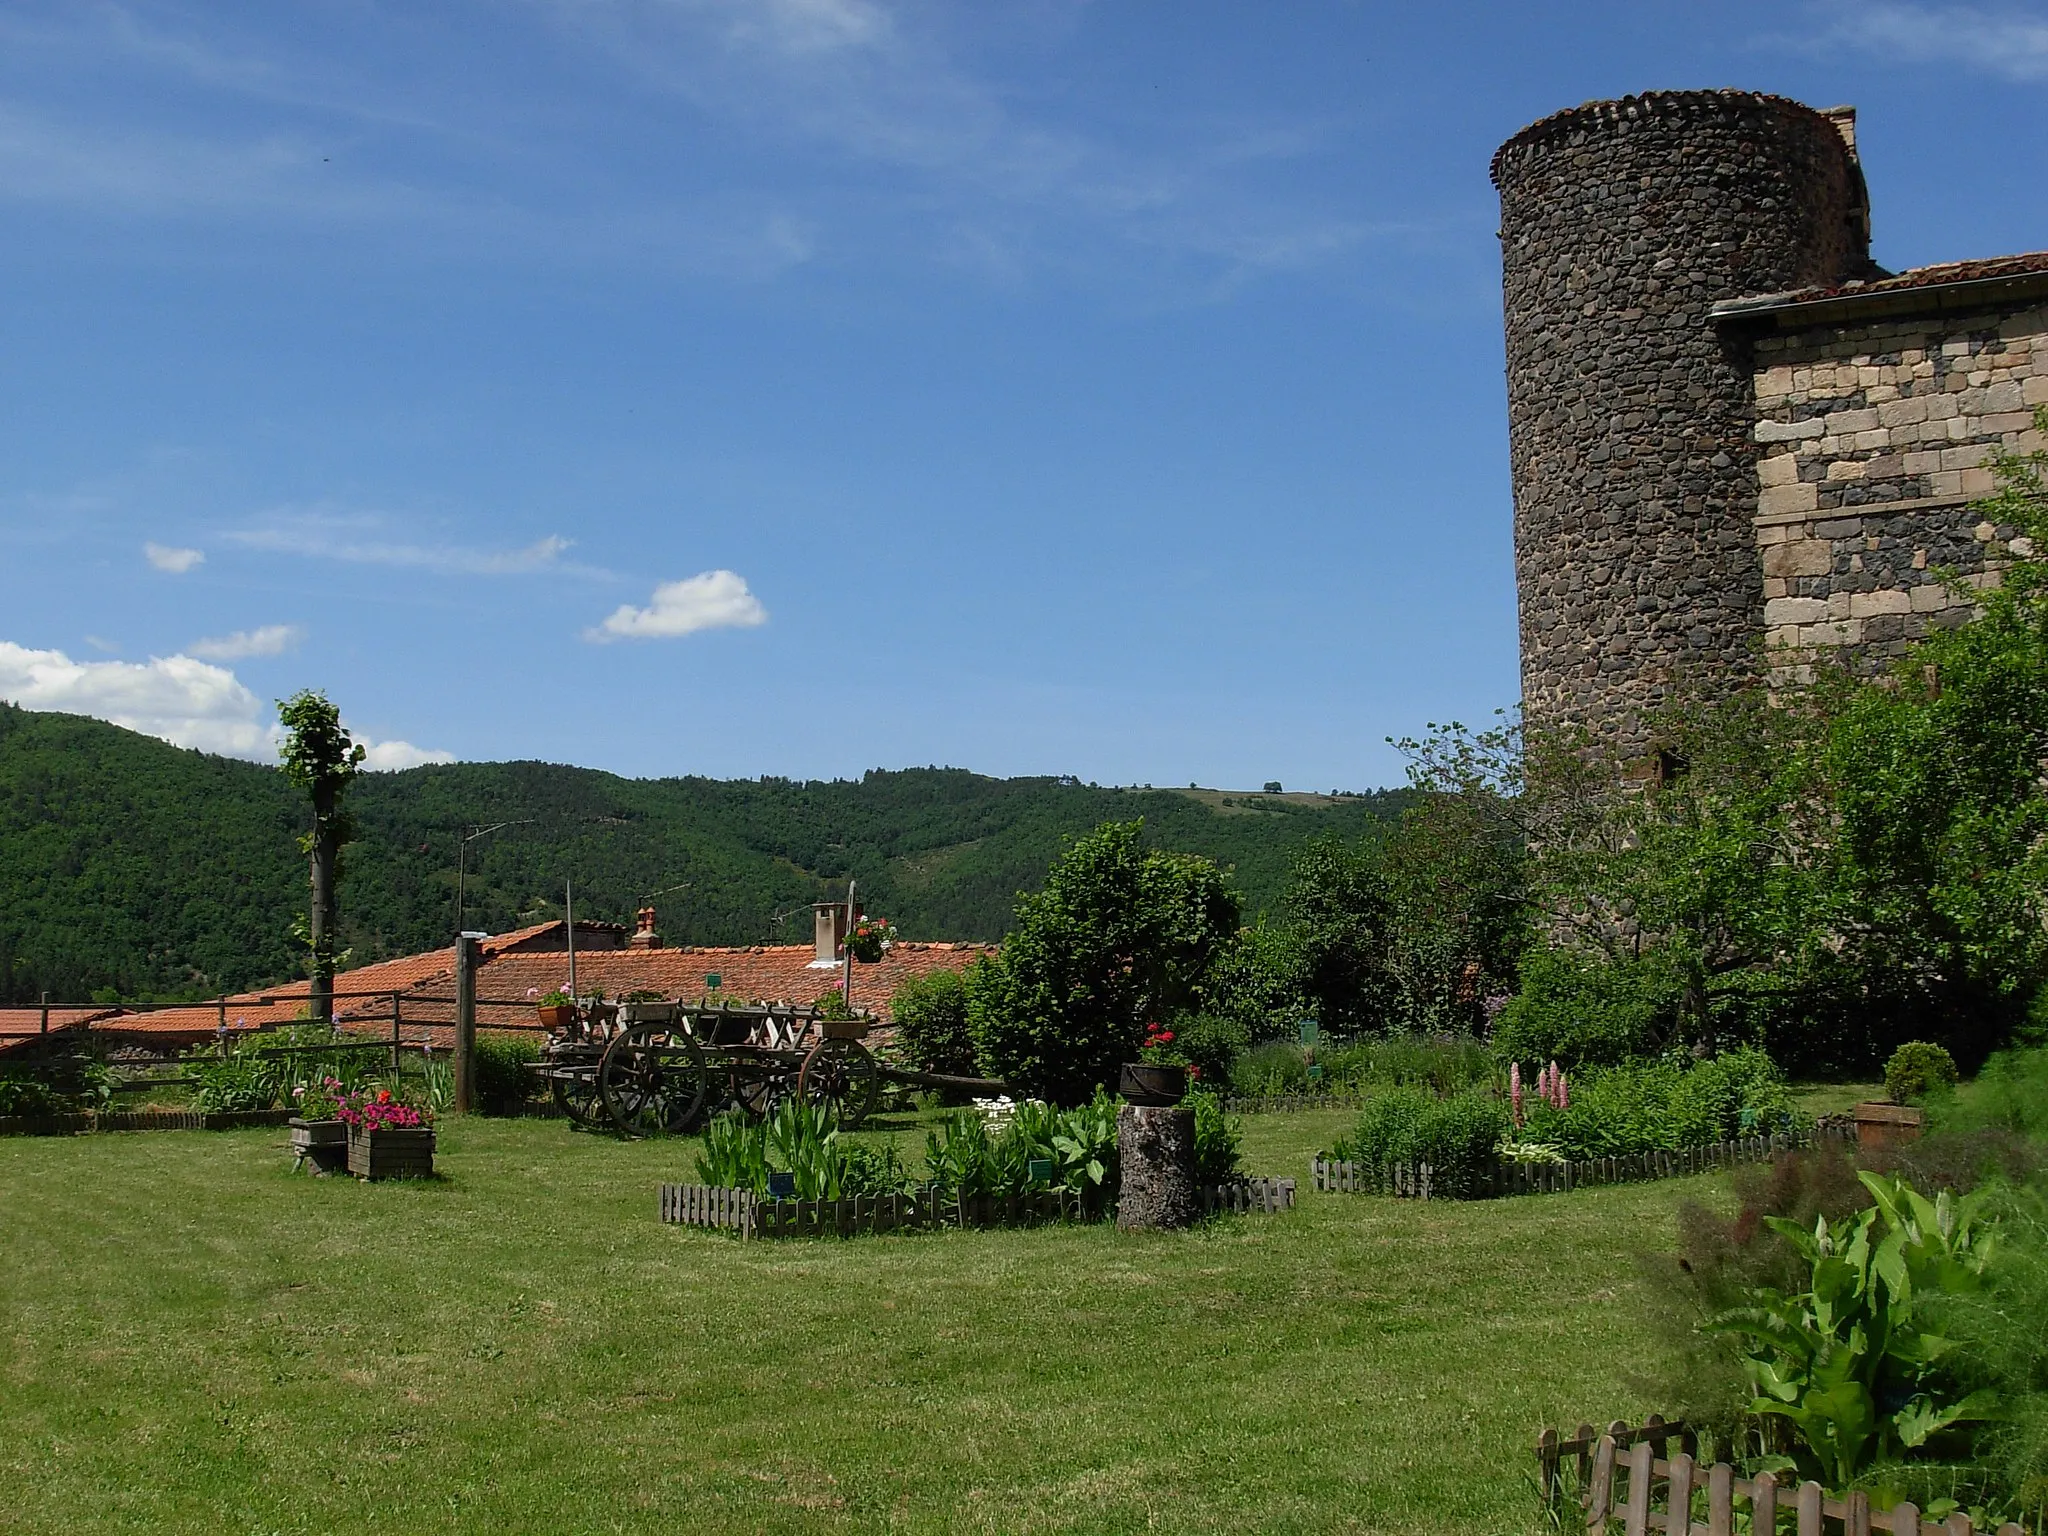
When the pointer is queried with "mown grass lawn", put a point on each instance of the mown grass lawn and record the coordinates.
(193, 1339)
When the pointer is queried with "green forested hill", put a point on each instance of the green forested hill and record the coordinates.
(130, 864)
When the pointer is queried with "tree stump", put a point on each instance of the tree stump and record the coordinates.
(1155, 1148)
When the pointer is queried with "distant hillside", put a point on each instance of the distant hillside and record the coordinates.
(130, 864)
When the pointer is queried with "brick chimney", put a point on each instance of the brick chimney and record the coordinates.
(644, 936)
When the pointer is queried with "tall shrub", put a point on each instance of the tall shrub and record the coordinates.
(1119, 936)
(931, 1023)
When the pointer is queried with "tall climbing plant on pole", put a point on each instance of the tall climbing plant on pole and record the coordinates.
(320, 758)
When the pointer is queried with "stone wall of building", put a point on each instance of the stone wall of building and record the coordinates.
(1622, 224)
(1873, 433)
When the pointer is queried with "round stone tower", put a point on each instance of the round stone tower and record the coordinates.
(1629, 411)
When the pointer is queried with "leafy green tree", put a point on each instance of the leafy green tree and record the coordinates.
(1343, 917)
(1120, 935)
(320, 759)
(1417, 927)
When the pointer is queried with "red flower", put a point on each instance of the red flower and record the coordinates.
(1165, 1035)
(383, 1095)
(1194, 1071)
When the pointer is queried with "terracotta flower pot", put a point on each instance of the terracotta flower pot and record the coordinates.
(557, 1015)
(1143, 1083)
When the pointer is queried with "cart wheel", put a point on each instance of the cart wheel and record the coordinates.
(578, 1100)
(652, 1080)
(758, 1092)
(841, 1075)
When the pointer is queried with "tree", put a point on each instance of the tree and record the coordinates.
(1834, 868)
(1120, 936)
(320, 759)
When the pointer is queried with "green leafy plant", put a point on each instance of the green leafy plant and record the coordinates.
(931, 1023)
(557, 999)
(1918, 1069)
(1580, 1009)
(802, 1140)
(26, 1091)
(241, 1081)
(734, 1154)
(1457, 1136)
(1665, 1105)
(965, 1159)
(1218, 1139)
(503, 1083)
(1852, 1362)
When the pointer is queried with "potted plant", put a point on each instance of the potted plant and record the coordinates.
(387, 1137)
(319, 1134)
(1160, 1074)
(868, 938)
(557, 1010)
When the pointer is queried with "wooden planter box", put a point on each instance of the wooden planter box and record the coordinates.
(323, 1143)
(1880, 1125)
(844, 1029)
(391, 1154)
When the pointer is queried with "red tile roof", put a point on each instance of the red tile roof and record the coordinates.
(1942, 275)
(515, 972)
(18, 1026)
(282, 1004)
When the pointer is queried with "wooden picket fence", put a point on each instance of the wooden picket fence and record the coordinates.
(1555, 1452)
(747, 1214)
(141, 1120)
(1627, 1486)
(1418, 1181)
(1248, 1195)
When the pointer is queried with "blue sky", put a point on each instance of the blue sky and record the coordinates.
(804, 386)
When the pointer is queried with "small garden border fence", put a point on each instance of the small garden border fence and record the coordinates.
(141, 1120)
(1418, 1181)
(1626, 1484)
(747, 1214)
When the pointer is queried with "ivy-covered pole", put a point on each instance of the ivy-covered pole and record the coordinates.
(320, 758)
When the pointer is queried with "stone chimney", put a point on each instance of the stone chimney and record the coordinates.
(830, 918)
(644, 936)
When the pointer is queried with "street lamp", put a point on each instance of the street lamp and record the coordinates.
(462, 859)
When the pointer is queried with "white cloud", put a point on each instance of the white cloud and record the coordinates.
(181, 699)
(355, 538)
(2001, 40)
(390, 756)
(710, 600)
(176, 561)
(270, 640)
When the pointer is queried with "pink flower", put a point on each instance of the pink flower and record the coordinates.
(1515, 1092)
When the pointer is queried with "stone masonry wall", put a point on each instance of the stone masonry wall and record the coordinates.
(1874, 439)
(1629, 412)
